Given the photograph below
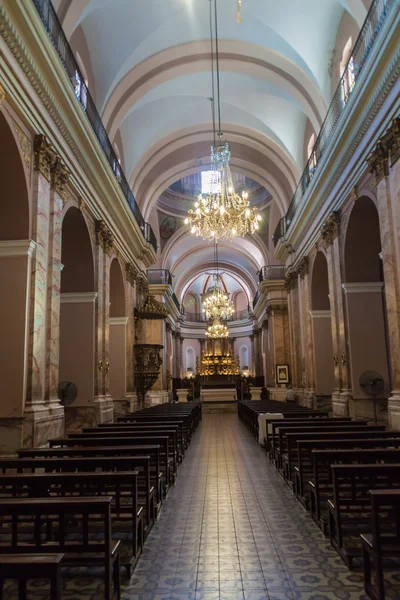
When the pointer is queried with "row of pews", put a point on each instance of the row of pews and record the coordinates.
(346, 473)
(91, 498)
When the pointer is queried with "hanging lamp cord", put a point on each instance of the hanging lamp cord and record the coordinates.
(217, 61)
(212, 75)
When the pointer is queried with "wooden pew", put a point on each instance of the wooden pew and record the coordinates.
(96, 451)
(272, 437)
(31, 566)
(290, 437)
(377, 545)
(279, 443)
(81, 551)
(137, 419)
(145, 426)
(349, 508)
(141, 464)
(171, 432)
(120, 485)
(137, 441)
(303, 468)
(320, 486)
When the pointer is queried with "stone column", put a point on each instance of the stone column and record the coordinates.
(102, 399)
(36, 415)
(181, 357)
(269, 376)
(342, 394)
(253, 357)
(297, 377)
(280, 343)
(386, 168)
(130, 274)
(307, 337)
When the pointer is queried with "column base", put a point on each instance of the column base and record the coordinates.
(277, 393)
(341, 403)
(394, 410)
(34, 429)
(89, 415)
(156, 397)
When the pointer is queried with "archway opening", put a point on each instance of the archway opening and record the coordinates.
(15, 270)
(118, 333)
(77, 310)
(322, 328)
(365, 299)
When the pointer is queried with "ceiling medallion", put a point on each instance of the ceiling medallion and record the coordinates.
(218, 305)
(222, 214)
(217, 330)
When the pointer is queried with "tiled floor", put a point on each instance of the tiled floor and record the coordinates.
(230, 529)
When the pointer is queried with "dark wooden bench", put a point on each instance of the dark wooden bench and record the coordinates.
(280, 443)
(59, 513)
(350, 507)
(144, 426)
(121, 485)
(272, 436)
(141, 464)
(378, 544)
(291, 458)
(109, 452)
(126, 442)
(320, 486)
(158, 420)
(31, 566)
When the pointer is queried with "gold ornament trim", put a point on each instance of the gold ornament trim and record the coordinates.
(2, 94)
(290, 281)
(59, 178)
(45, 155)
(26, 147)
(104, 237)
(330, 229)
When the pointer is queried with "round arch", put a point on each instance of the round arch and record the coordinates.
(117, 290)
(362, 248)
(320, 283)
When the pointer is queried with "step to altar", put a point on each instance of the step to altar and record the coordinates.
(215, 408)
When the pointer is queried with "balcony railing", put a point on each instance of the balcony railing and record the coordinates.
(272, 273)
(162, 276)
(176, 301)
(362, 48)
(59, 40)
(200, 317)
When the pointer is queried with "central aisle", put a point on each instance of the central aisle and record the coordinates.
(230, 529)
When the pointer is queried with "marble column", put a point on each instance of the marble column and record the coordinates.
(388, 193)
(253, 355)
(297, 375)
(269, 376)
(280, 344)
(323, 352)
(130, 293)
(307, 337)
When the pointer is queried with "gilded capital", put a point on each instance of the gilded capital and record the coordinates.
(59, 177)
(130, 273)
(330, 229)
(2, 94)
(142, 285)
(104, 237)
(277, 309)
(379, 161)
(394, 142)
(45, 156)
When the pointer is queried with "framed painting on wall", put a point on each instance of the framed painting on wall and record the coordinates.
(282, 373)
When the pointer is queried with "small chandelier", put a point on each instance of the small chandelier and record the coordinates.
(218, 305)
(222, 214)
(217, 330)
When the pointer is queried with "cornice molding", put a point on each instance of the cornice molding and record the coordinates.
(2, 94)
(330, 229)
(119, 320)
(320, 314)
(78, 298)
(362, 287)
(11, 248)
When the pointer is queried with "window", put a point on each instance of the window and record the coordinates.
(208, 178)
(348, 76)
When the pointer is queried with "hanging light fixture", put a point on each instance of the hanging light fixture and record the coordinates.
(217, 330)
(218, 305)
(222, 213)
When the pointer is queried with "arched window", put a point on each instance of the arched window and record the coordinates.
(190, 360)
(311, 156)
(81, 87)
(244, 358)
(348, 80)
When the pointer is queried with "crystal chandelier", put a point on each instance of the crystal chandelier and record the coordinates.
(217, 330)
(218, 305)
(224, 214)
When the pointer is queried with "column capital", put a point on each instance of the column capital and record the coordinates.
(290, 281)
(330, 229)
(45, 155)
(59, 173)
(130, 273)
(104, 237)
(387, 146)
(276, 309)
(302, 267)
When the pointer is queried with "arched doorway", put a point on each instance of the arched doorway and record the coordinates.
(118, 325)
(322, 328)
(15, 268)
(77, 311)
(365, 302)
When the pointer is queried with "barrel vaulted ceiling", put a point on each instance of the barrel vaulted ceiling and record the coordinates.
(148, 67)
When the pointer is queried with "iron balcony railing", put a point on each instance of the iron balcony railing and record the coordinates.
(255, 299)
(59, 40)
(162, 276)
(272, 273)
(176, 301)
(361, 50)
(200, 317)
